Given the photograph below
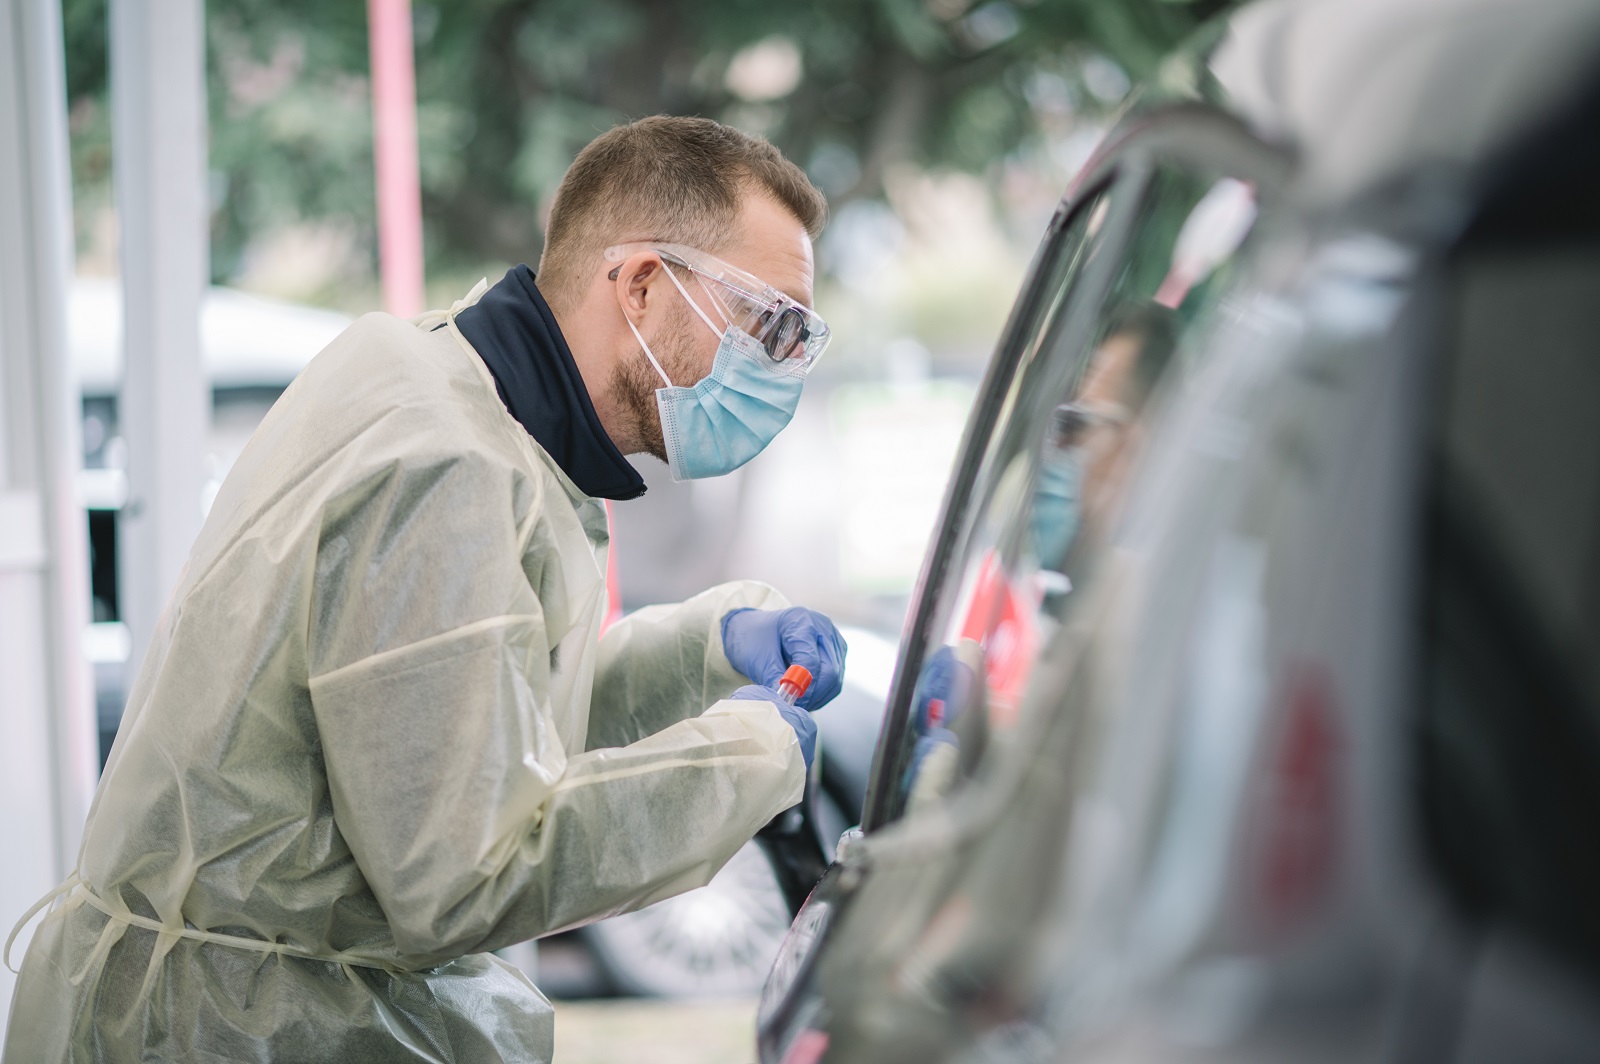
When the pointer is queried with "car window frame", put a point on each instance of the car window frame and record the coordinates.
(1188, 136)
(1112, 184)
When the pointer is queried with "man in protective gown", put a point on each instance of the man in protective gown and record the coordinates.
(378, 733)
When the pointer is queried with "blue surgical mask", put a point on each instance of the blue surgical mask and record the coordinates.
(730, 416)
(1056, 504)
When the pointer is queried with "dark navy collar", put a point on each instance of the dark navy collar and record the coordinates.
(515, 333)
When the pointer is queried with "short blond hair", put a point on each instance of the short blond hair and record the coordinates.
(677, 180)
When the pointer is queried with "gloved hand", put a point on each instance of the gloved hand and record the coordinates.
(944, 691)
(805, 729)
(762, 643)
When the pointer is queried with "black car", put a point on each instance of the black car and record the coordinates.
(1249, 705)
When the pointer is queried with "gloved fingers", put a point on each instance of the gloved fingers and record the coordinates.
(761, 644)
(827, 676)
(755, 692)
(753, 646)
(836, 650)
(944, 690)
(811, 639)
(805, 729)
(800, 646)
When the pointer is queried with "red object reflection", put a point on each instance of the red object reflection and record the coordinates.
(1001, 619)
(1301, 814)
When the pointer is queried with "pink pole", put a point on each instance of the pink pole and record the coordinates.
(394, 129)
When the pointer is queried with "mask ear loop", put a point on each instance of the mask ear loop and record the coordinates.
(684, 292)
(717, 304)
(635, 329)
(647, 353)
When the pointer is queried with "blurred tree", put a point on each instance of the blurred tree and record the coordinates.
(510, 90)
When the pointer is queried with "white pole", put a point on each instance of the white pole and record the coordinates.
(159, 167)
(47, 728)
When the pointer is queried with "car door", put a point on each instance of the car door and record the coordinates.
(1133, 264)
(1074, 242)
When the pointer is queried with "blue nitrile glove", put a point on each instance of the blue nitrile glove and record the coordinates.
(762, 643)
(943, 695)
(805, 729)
(943, 692)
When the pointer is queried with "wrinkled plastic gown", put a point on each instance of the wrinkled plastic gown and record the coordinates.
(375, 737)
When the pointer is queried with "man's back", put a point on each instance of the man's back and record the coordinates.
(355, 762)
(215, 810)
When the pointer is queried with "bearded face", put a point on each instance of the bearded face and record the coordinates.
(679, 345)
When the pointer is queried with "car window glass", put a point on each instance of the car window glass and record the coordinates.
(1053, 477)
(1080, 241)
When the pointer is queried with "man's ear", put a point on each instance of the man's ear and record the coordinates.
(633, 280)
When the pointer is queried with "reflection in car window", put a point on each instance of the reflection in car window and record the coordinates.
(1053, 477)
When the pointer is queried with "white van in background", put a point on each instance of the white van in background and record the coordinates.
(251, 348)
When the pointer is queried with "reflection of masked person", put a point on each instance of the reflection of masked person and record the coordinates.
(1081, 460)
(1057, 504)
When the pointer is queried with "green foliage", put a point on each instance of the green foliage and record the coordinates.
(510, 90)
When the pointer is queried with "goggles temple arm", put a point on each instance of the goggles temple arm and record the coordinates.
(722, 311)
(673, 277)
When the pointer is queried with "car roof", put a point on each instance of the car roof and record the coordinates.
(1365, 92)
(246, 340)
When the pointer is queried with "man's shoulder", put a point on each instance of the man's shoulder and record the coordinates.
(385, 362)
(382, 323)
(386, 393)
(375, 335)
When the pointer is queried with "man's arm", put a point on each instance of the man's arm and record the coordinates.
(475, 830)
(449, 781)
(663, 664)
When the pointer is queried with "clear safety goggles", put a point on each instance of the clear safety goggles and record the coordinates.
(791, 332)
(1072, 423)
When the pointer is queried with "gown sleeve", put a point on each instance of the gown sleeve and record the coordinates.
(630, 701)
(429, 680)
